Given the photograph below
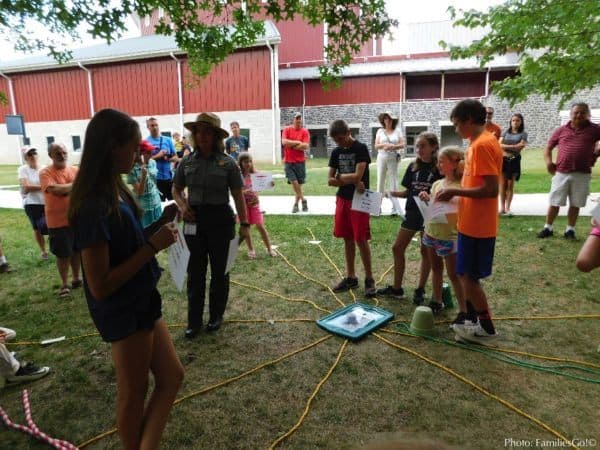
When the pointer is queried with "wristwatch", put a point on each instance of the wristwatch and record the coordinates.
(244, 224)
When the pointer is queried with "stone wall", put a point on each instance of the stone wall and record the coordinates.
(541, 116)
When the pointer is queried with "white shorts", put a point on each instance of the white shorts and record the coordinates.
(575, 185)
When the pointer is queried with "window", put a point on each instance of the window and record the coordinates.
(147, 21)
(26, 141)
(161, 12)
(411, 133)
(49, 140)
(76, 141)
(166, 133)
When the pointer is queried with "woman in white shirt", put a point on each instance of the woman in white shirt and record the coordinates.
(388, 142)
(33, 197)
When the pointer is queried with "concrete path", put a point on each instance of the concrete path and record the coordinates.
(523, 204)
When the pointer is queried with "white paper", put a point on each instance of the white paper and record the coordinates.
(596, 212)
(436, 211)
(355, 319)
(52, 341)
(368, 202)
(234, 245)
(261, 181)
(314, 242)
(179, 256)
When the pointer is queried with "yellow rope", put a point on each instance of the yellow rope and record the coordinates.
(268, 320)
(480, 389)
(506, 350)
(331, 262)
(310, 399)
(310, 279)
(274, 294)
(385, 273)
(218, 385)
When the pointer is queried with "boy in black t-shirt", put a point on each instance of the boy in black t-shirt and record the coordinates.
(349, 170)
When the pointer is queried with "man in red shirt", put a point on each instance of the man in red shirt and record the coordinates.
(295, 140)
(571, 174)
(490, 126)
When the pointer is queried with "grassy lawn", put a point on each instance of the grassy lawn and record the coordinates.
(534, 179)
(376, 392)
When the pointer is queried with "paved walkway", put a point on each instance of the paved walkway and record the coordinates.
(523, 204)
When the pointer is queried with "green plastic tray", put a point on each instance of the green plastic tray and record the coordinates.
(355, 321)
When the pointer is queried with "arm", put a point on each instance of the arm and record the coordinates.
(140, 187)
(488, 189)
(60, 189)
(179, 197)
(550, 166)
(26, 187)
(104, 280)
(240, 208)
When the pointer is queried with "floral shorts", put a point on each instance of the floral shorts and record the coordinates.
(442, 247)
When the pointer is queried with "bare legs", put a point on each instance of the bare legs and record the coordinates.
(134, 357)
(404, 238)
(365, 256)
(507, 191)
(297, 191)
(41, 242)
(263, 234)
(63, 264)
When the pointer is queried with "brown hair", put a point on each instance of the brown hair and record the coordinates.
(245, 156)
(432, 140)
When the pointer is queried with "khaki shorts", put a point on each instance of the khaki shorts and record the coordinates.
(574, 185)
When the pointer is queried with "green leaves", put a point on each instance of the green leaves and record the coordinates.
(558, 43)
(208, 30)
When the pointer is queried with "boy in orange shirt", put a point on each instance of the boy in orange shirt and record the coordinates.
(477, 219)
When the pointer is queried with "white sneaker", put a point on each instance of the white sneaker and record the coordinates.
(473, 333)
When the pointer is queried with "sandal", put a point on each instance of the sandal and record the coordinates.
(272, 252)
(64, 292)
(76, 284)
(251, 254)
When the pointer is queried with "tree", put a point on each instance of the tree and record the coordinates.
(226, 25)
(558, 43)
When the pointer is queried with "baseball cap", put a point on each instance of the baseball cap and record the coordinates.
(28, 151)
(297, 114)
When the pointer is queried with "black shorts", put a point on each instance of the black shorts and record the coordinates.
(413, 221)
(295, 172)
(120, 323)
(35, 213)
(61, 242)
(511, 167)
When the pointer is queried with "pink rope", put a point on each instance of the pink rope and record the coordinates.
(32, 428)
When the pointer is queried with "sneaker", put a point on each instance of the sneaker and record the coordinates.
(389, 291)
(28, 372)
(460, 319)
(419, 296)
(370, 290)
(436, 307)
(474, 333)
(570, 235)
(5, 268)
(345, 285)
(546, 232)
(295, 208)
(304, 206)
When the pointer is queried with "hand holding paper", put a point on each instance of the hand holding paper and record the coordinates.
(368, 202)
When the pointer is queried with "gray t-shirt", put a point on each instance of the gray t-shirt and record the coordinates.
(513, 138)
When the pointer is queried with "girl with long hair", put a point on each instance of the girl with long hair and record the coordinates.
(121, 274)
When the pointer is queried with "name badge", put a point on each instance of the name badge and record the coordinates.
(189, 229)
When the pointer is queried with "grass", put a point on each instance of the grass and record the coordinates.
(535, 179)
(377, 392)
